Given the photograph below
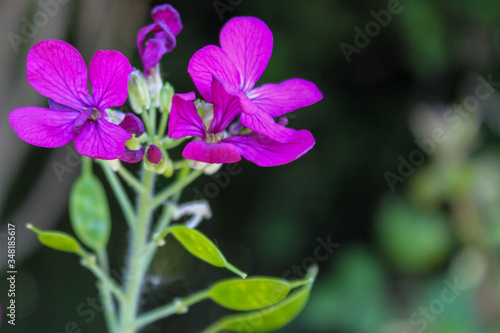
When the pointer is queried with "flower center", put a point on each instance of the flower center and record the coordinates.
(96, 114)
(214, 138)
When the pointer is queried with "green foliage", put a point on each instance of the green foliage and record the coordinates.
(414, 239)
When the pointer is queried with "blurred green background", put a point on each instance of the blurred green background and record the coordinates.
(403, 183)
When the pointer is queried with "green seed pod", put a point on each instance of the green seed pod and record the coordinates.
(250, 294)
(89, 212)
(266, 320)
(57, 240)
(202, 247)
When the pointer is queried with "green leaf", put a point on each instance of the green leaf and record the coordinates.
(250, 294)
(202, 247)
(89, 212)
(267, 319)
(57, 240)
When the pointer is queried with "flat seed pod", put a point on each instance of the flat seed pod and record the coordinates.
(249, 294)
(57, 240)
(89, 212)
(265, 320)
(201, 247)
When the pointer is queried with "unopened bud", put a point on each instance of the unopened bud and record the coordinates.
(154, 160)
(138, 92)
(166, 94)
(154, 84)
(154, 155)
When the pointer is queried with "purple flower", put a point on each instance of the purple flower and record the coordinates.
(247, 45)
(167, 25)
(56, 69)
(215, 147)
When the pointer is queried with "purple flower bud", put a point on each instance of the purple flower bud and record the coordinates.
(154, 155)
(132, 124)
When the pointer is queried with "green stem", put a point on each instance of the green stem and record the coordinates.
(172, 143)
(147, 124)
(175, 188)
(105, 279)
(163, 124)
(179, 305)
(130, 179)
(109, 306)
(120, 194)
(152, 117)
(86, 165)
(136, 268)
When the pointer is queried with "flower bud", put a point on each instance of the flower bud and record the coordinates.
(133, 124)
(155, 160)
(154, 84)
(138, 92)
(154, 155)
(166, 94)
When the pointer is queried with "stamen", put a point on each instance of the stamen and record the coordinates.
(96, 114)
(214, 138)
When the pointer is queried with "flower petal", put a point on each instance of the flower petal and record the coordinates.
(248, 42)
(170, 16)
(265, 152)
(208, 62)
(142, 35)
(184, 119)
(56, 106)
(264, 124)
(154, 51)
(56, 70)
(133, 124)
(278, 99)
(102, 139)
(211, 152)
(226, 107)
(43, 127)
(108, 73)
(133, 156)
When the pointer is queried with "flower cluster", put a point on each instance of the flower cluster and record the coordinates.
(226, 77)
(235, 119)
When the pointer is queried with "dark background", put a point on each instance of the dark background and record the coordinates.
(268, 220)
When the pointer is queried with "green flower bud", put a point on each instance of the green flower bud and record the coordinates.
(166, 94)
(138, 92)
